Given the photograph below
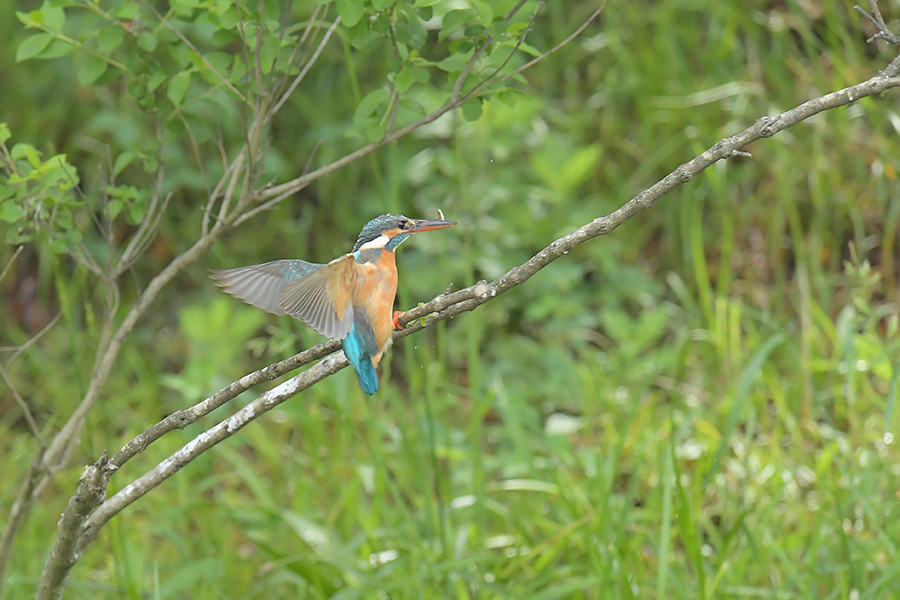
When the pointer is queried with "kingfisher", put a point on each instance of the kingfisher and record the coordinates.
(349, 299)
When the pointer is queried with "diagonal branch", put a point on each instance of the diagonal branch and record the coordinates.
(440, 308)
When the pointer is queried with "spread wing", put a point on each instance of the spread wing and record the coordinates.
(322, 298)
(262, 285)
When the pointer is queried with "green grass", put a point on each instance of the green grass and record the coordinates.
(723, 368)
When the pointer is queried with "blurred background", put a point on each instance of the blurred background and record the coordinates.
(700, 404)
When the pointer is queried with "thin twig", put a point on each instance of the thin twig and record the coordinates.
(464, 74)
(202, 58)
(11, 260)
(557, 47)
(884, 32)
(20, 349)
(133, 249)
(29, 418)
(306, 67)
(270, 204)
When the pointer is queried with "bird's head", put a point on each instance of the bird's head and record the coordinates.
(389, 231)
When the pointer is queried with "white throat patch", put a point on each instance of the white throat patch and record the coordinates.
(376, 244)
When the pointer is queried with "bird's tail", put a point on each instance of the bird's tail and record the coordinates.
(368, 378)
(354, 348)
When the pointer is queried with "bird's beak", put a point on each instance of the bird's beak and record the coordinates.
(418, 225)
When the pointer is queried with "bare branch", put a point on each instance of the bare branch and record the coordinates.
(884, 32)
(223, 181)
(29, 418)
(457, 87)
(91, 491)
(207, 440)
(10, 262)
(270, 204)
(33, 339)
(182, 418)
(301, 43)
(200, 55)
(144, 235)
(306, 67)
(557, 47)
(521, 41)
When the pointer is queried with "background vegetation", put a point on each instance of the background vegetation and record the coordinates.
(699, 405)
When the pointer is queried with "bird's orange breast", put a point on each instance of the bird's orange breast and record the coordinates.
(375, 289)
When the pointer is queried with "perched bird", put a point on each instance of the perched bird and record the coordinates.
(349, 299)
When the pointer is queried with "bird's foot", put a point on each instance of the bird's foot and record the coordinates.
(396, 319)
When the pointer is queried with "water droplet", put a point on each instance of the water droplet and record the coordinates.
(888, 437)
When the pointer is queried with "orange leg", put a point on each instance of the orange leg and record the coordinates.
(396, 319)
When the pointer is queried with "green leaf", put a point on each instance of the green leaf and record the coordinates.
(109, 38)
(220, 61)
(455, 20)
(471, 109)
(36, 18)
(54, 16)
(90, 69)
(28, 152)
(26, 19)
(382, 4)
(402, 32)
(5, 133)
(11, 212)
(58, 245)
(136, 213)
(456, 62)
(360, 33)
(485, 13)
(123, 160)
(177, 87)
(228, 19)
(147, 41)
(419, 74)
(115, 207)
(403, 80)
(370, 104)
(57, 171)
(417, 33)
(128, 11)
(32, 46)
(350, 11)
(374, 132)
(56, 49)
(155, 80)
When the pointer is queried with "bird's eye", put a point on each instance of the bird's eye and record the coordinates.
(405, 224)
